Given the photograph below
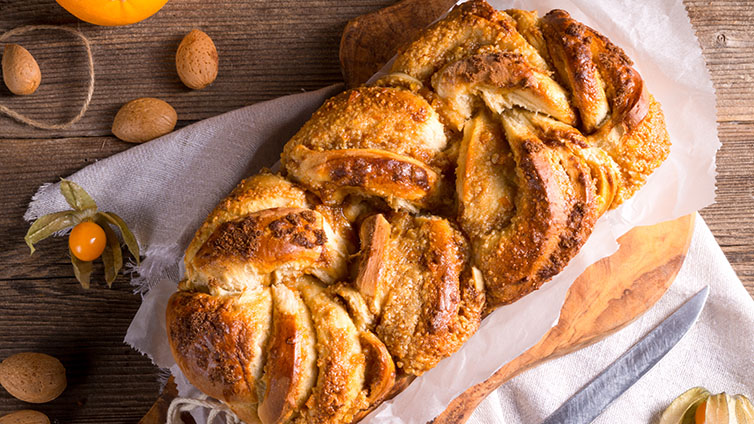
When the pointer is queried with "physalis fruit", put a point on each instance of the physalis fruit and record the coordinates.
(698, 406)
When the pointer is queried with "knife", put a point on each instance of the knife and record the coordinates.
(592, 399)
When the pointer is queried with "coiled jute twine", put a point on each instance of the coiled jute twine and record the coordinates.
(214, 407)
(89, 92)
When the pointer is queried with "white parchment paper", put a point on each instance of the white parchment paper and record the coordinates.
(165, 188)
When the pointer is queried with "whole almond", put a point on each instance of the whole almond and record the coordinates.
(20, 71)
(25, 416)
(144, 119)
(196, 60)
(33, 377)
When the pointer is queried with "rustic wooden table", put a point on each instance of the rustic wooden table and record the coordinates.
(267, 49)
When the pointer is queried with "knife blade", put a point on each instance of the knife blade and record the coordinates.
(589, 402)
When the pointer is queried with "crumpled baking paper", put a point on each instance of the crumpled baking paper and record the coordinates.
(164, 189)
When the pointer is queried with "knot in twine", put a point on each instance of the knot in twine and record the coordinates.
(214, 407)
(89, 92)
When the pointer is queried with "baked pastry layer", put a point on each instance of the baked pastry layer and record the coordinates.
(462, 180)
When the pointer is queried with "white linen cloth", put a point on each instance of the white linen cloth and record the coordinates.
(716, 353)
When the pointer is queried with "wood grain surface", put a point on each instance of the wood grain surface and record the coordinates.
(267, 49)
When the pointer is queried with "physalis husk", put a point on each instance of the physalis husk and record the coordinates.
(85, 210)
(698, 406)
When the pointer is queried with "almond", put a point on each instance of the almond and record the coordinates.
(33, 377)
(196, 60)
(144, 119)
(20, 71)
(25, 416)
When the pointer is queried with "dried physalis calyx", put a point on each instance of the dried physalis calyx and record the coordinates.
(698, 406)
(91, 235)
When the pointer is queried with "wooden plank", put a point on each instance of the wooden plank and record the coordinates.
(107, 380)
(44, 309)
(24, 166)
(731, 219)
(727, 38)
(266, 50)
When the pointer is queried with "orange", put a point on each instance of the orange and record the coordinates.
(87, 241)
(112, 12)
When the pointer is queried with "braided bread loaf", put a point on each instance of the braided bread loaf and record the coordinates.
(406, 210)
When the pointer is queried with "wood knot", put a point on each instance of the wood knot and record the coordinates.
(721, 40)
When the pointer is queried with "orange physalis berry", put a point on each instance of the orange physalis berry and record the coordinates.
(87, 241)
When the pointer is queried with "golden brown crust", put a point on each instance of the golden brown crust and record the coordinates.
(527, 198)
(266, 226)
(580, 194)
(339, 393)
(377, 118)
(571, 49)
(422, 274)
(638, 150)
(402, 181)
(260, 243)
(370, 141)
(218, 341)
(380, 368)
(502, 80)
(468, 27)
(512, 257)
(605, 174)
(290, 372)
(485, 178)
(542, 123)
(616, 110)
(262, 191)
(527, 24)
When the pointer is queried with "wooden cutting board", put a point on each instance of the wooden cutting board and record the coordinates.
(606, 297)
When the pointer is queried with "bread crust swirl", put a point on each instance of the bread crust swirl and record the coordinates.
(551, 136)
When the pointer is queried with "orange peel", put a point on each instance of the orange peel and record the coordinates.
(112, 12)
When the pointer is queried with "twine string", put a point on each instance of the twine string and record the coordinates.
(90, 89)
(214, 407)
